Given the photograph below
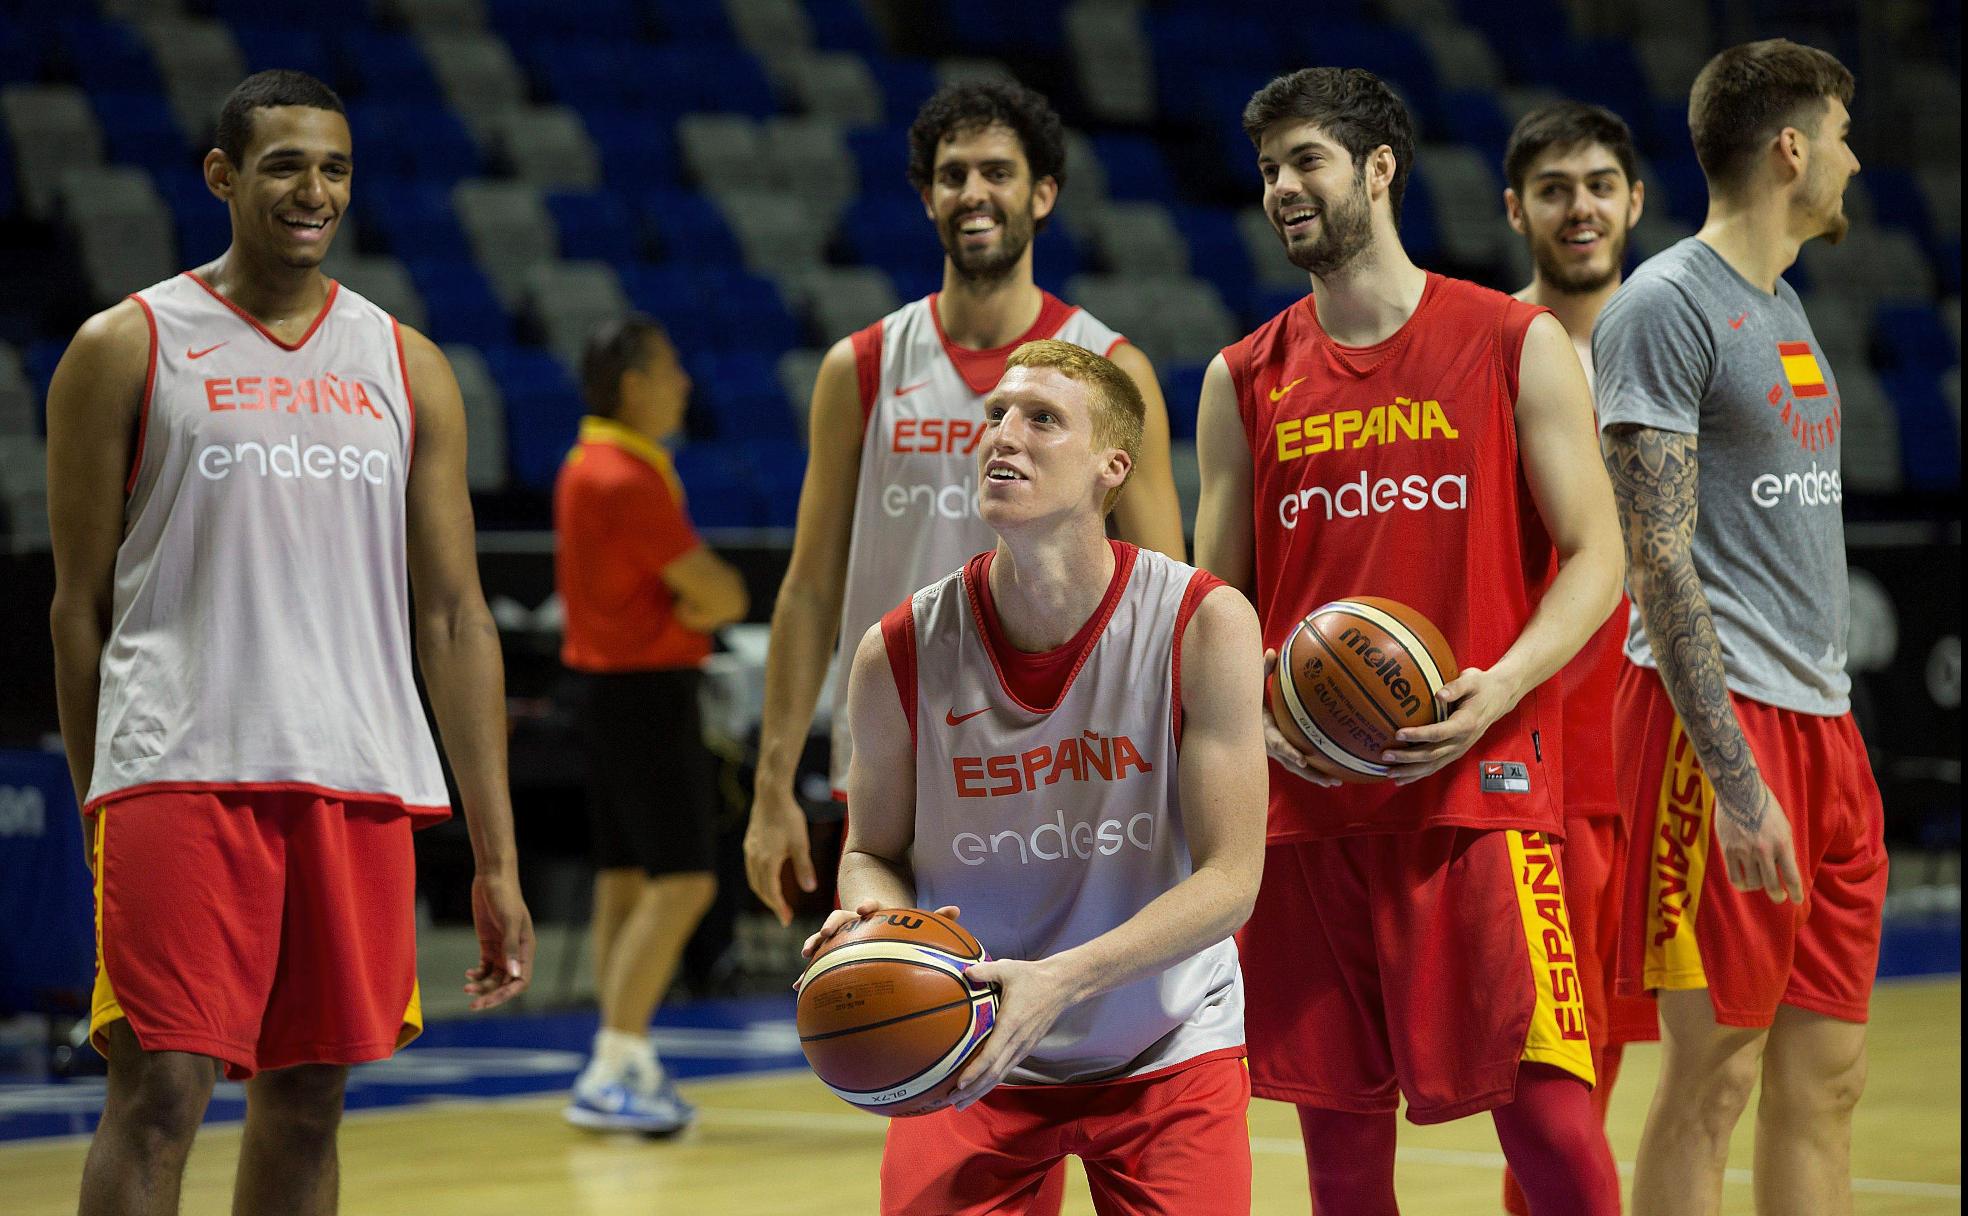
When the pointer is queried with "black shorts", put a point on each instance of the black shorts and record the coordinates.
(650, 783)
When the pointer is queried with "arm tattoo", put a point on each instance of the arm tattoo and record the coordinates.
(1655, 476)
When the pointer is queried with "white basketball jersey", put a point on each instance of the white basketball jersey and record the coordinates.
(915, 505)
(1050, 827)
(260, 630)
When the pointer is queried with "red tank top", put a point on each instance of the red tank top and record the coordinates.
(1392, 470)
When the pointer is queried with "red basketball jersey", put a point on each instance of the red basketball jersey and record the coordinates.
(1587, 683)
(1392, 470)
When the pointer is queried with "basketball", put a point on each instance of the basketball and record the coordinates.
(886, 1014)
(1352, 673)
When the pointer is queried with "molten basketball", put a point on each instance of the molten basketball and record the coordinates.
(1351, 674)
(887, 1016)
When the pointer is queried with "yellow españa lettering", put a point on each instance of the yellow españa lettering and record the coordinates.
(1343, 429)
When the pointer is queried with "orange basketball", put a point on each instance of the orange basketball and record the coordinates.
(886, 1014)
(1351, 674)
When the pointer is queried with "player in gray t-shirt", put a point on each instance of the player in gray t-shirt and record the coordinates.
(1720, 421)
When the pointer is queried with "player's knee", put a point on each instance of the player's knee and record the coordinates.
(689, 894)
(1813, 1095)
(303, 1102)
(165, 1104)
(1716, 1100)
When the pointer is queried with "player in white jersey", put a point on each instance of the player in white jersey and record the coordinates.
(889, 498)
(250, 467)
(1062, 739)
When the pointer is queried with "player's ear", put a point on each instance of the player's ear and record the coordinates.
(219, 174)
(1045, 196)
(1792, 152)
(1639, 204)
(1513, 210)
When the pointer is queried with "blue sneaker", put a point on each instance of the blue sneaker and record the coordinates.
(618, 1106)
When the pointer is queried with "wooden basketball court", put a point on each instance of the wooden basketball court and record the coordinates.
(780, 1145)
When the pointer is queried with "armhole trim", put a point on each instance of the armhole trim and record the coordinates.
(409, 397)
(1201, 583)
(867, 346)
(898, 626)
(143, 411)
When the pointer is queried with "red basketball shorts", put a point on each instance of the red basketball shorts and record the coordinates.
(1595, 880)
(262, 929)
(1686, 926)
(1174, 1143)
(1422, 964)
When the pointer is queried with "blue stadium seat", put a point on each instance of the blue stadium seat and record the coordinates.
(692, 21)
(379, 66)
(543, 411)
(709, 78)
(750, 312)
(1268, 302)
(843, 25)
(710, 307)
(28, 48)
(1135, 167)
(110, 57)
(887, 229)
(780, 469)
(266, 46)
(1605, 71)
(905, 85)
(1008, 29)
(1680, 178)
(881, 154)
(201, 222)
(409, 139)
(718, 485)
(526, 22)
(1056, 257)
(139, 129)
(1216, 249)
(598, 225)
(1930, 440)
(1912, 338)
(409, 218)
(685, 225)
(1389, 52)
(458, 302)
(1472, 116)
(313, 18)
(1897, 199)
(1418, 231)
(1182, 388)
(638, 148)
(742, 393)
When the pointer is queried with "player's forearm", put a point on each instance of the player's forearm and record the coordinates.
(79, 632)
(1585, 590)
(864, 876)
(465, 673)
(1201, 910)
(1655, 482)
(805, 621)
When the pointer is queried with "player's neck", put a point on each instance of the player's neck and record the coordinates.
(1046, 587)
(1371, 297)
(986, 315)
(1577, 311)
(1755, 239)
(279, 297)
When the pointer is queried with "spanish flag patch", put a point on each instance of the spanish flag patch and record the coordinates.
(1802, 370)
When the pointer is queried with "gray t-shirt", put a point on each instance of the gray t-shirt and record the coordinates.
(1690, 346)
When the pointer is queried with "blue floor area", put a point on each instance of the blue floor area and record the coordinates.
(499, 1055)
(483, 1057)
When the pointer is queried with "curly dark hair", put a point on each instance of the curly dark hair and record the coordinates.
(971, 104)
(1352, 105)
(278, 87)
(1567, 126)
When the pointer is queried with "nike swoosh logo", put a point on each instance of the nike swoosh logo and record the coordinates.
(950, 715)
(1737, 323)
(1278, 394)
(906, 389)
(200, 354)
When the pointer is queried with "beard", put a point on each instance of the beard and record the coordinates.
(1827, 200)
(1345, 232)
(1579, 280)
(981, 267)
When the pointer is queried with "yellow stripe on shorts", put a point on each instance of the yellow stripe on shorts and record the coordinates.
(1557, 1036)
(1678, 850)
(103, 1007)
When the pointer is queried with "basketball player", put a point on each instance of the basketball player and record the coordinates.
(889, 501)
(1573, 196)
(250, 468)
(1407, 435)
(643, 596)
(1758, 872)
(1090, 796)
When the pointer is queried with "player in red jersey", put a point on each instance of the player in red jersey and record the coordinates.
(1572, 194)
(1402, 434)
(233, 646)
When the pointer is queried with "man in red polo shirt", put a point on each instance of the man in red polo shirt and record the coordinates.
(642, 596)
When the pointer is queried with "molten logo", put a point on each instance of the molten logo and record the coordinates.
(288, 460)
(1384, 665)
(1362, 497)
(1085, 757)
